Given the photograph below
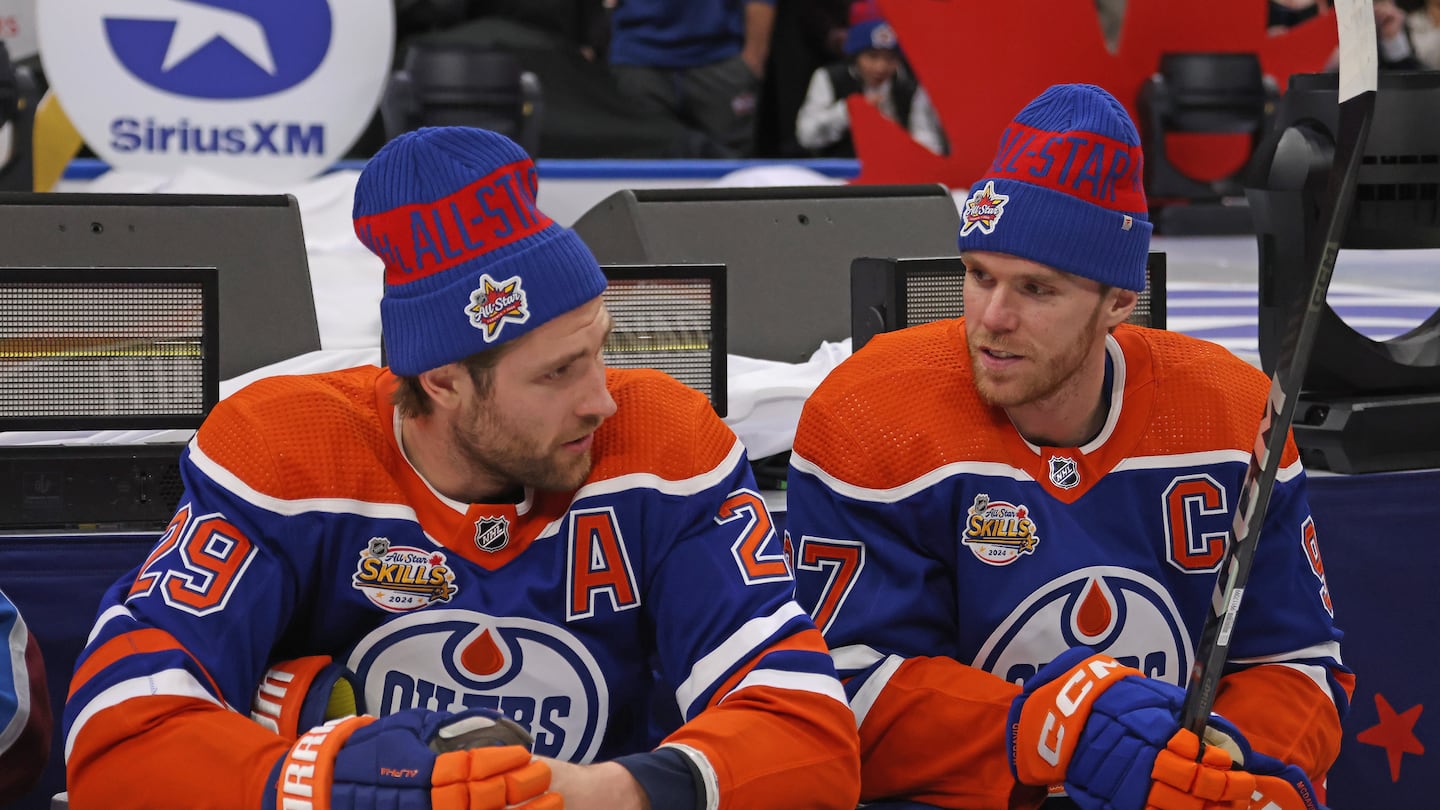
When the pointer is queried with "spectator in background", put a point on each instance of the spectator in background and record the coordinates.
(1392, 40)
(25, 721)
(699, 61)
(1423, 26)
(808, 34)
(582, 24)
(873, 69)
(1396, 50)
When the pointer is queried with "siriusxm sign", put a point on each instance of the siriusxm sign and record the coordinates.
(216, 52)
(267, 90)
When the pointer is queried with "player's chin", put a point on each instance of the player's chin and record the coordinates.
(570, 469)
(1001, 391)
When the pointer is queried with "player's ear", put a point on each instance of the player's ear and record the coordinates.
(1118, 305)
(446, 386)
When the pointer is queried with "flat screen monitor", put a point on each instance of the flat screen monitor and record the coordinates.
(670, 318)
(255, 242)
(786, 250)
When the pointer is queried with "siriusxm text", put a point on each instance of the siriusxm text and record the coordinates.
(184, 137)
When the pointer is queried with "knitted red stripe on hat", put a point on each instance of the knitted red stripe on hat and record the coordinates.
(1092, 167)
(419, 240)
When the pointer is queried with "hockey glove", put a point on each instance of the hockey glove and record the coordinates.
(1100, 728)
(1215, 781)
(303, 693)
(414, 760)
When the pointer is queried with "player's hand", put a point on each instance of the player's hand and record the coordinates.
(1105, 732)
(1185, 779)
(414, 760)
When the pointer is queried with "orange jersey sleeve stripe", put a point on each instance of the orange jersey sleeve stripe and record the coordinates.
(1283, 714)
(804, 641)
(115, 766)
(936, 734)
(148, 640)
(800, 749)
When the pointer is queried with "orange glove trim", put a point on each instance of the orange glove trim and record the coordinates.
(308, 772)
(1183, 783)
(488, 779)
(1274, 793)
(1054, 714)
(282, 692)
(527, 782)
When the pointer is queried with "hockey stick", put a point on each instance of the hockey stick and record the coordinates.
(1358, 64)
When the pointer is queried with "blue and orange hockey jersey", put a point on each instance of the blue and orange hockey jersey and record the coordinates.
(652, 606)
(947, 559)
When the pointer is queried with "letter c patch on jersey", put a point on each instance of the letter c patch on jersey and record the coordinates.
(1197, 520)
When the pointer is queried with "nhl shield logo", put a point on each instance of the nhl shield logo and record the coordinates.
(1064, 472)
(492, 534)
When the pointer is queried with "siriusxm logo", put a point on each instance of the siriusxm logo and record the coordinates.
(183, 138)
(266, 91)
(213, 49)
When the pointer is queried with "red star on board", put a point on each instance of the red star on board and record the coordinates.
(1395, 733)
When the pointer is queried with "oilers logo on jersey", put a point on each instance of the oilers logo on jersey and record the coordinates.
(403, 578)
(449, 660)
(1113, 610)
(998, 532)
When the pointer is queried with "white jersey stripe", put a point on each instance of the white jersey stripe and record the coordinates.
(873, 686)
(171, 682)
(741, 645)
(793, 681)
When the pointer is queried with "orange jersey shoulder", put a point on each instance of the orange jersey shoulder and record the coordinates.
(308, 436)
(1205, 398)
(906, 404)
(660, 427)
(903, 405)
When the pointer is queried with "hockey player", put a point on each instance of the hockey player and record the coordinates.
(495, 523)
(1008, 525)
(25, 721)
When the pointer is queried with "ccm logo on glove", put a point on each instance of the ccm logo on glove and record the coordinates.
(1070, 698)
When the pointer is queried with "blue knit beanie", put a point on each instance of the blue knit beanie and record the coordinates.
(1066, 189)
(870, 35)
(470, 261)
